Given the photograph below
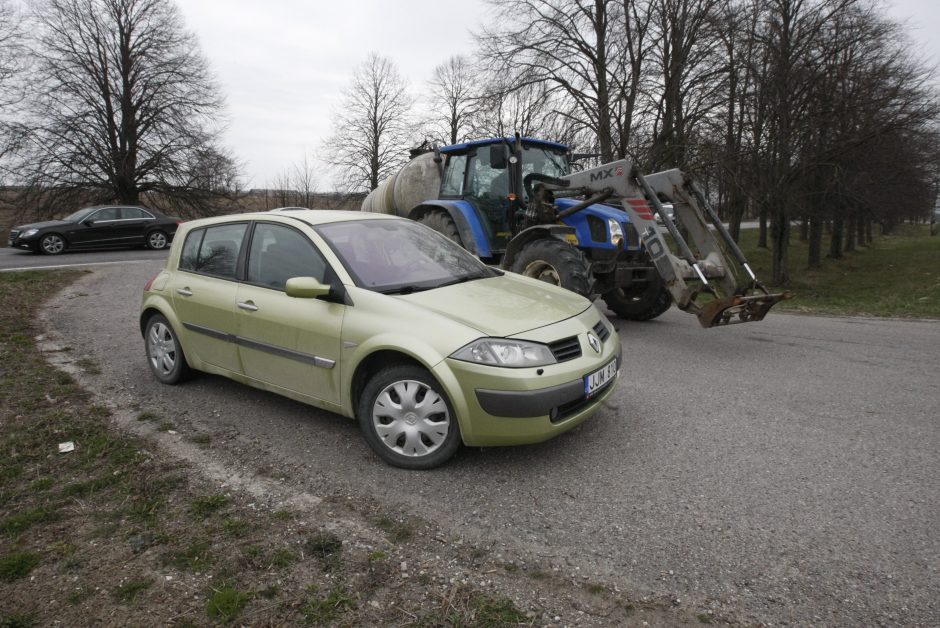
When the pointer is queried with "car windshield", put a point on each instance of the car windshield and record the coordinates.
(401, 256)
(79, 215)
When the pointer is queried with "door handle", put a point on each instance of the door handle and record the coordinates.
(186, 292)
(248, 305)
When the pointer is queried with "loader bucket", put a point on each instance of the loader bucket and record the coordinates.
(738, 309)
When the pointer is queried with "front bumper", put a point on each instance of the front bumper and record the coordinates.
(499, 406)
(18, 241)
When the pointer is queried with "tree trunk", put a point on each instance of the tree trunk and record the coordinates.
(850, 231)
(762, 229)
(835, 240)
(815, 242)
(781, 245)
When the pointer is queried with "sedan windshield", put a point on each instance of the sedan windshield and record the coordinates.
(401, 256)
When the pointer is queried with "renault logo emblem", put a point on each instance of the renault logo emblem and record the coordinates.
(594, 342)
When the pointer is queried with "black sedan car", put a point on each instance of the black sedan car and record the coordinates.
(97, 227)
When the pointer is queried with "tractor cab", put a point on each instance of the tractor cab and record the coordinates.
(489, 175)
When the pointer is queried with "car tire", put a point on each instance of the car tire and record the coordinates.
(558, 263)
(443, 224)
(157, 240)
(407, 419)
(164, 351)
(51, 244)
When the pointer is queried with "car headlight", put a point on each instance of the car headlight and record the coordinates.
(616, 232)
(29, 233)
(505, 352)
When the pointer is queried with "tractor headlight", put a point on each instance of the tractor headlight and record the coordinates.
(505, 352)
(616, 232)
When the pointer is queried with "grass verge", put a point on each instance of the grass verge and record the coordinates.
(898, 275)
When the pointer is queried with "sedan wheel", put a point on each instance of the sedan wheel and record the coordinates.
(52, 244)
(157, 240)
(407, 419)
(164, 353)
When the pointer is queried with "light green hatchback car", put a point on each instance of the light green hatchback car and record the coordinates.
(381, 319)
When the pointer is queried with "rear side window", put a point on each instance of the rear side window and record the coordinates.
(213, 250)
(134, 213)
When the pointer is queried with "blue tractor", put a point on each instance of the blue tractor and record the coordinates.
(486, 196)
(515, 203)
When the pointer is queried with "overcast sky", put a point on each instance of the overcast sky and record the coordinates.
(283, 64)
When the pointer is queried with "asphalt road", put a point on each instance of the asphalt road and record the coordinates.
(786, 469)
(16, 259)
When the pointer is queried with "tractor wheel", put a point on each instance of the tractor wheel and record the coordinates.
(558, 263)
(640, 302)
(442, 223)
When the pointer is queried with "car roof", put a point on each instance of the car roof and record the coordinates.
(309, 216)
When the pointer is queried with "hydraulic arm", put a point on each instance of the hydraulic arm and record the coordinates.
(699, 274)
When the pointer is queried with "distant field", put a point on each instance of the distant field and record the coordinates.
(897, 276)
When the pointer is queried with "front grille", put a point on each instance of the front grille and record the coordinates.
(602, 331)
(631, 236)
(567, 349)
(567, 410)
(13, 235)
(598, 228)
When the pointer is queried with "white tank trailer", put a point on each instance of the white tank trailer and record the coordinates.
(419, 180)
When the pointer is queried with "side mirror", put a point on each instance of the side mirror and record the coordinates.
(305, 288)
(498, 157)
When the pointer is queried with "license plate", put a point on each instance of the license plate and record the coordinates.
(596, 380)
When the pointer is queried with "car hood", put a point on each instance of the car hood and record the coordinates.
(502, 306)
(43, 225)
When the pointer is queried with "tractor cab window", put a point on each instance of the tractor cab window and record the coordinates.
(544, 161)
(485, 181)
(453, 175)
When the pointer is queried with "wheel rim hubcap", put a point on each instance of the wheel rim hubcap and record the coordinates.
(162, 349)
(52, 245)
(543, 272)
(411, 418)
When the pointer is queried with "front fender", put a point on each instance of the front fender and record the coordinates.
(406, 347)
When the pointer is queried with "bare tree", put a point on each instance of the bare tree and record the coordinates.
(371, 130)
(502, 111)
(453, 99)
(124, 104)
(13, 58)
(564, 45)
(295, 186)
(688, 75)
(633, 70)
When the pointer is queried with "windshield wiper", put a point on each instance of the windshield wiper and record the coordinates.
(464, 279)
(406, 289)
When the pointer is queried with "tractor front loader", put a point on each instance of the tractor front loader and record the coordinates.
(699, 275)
